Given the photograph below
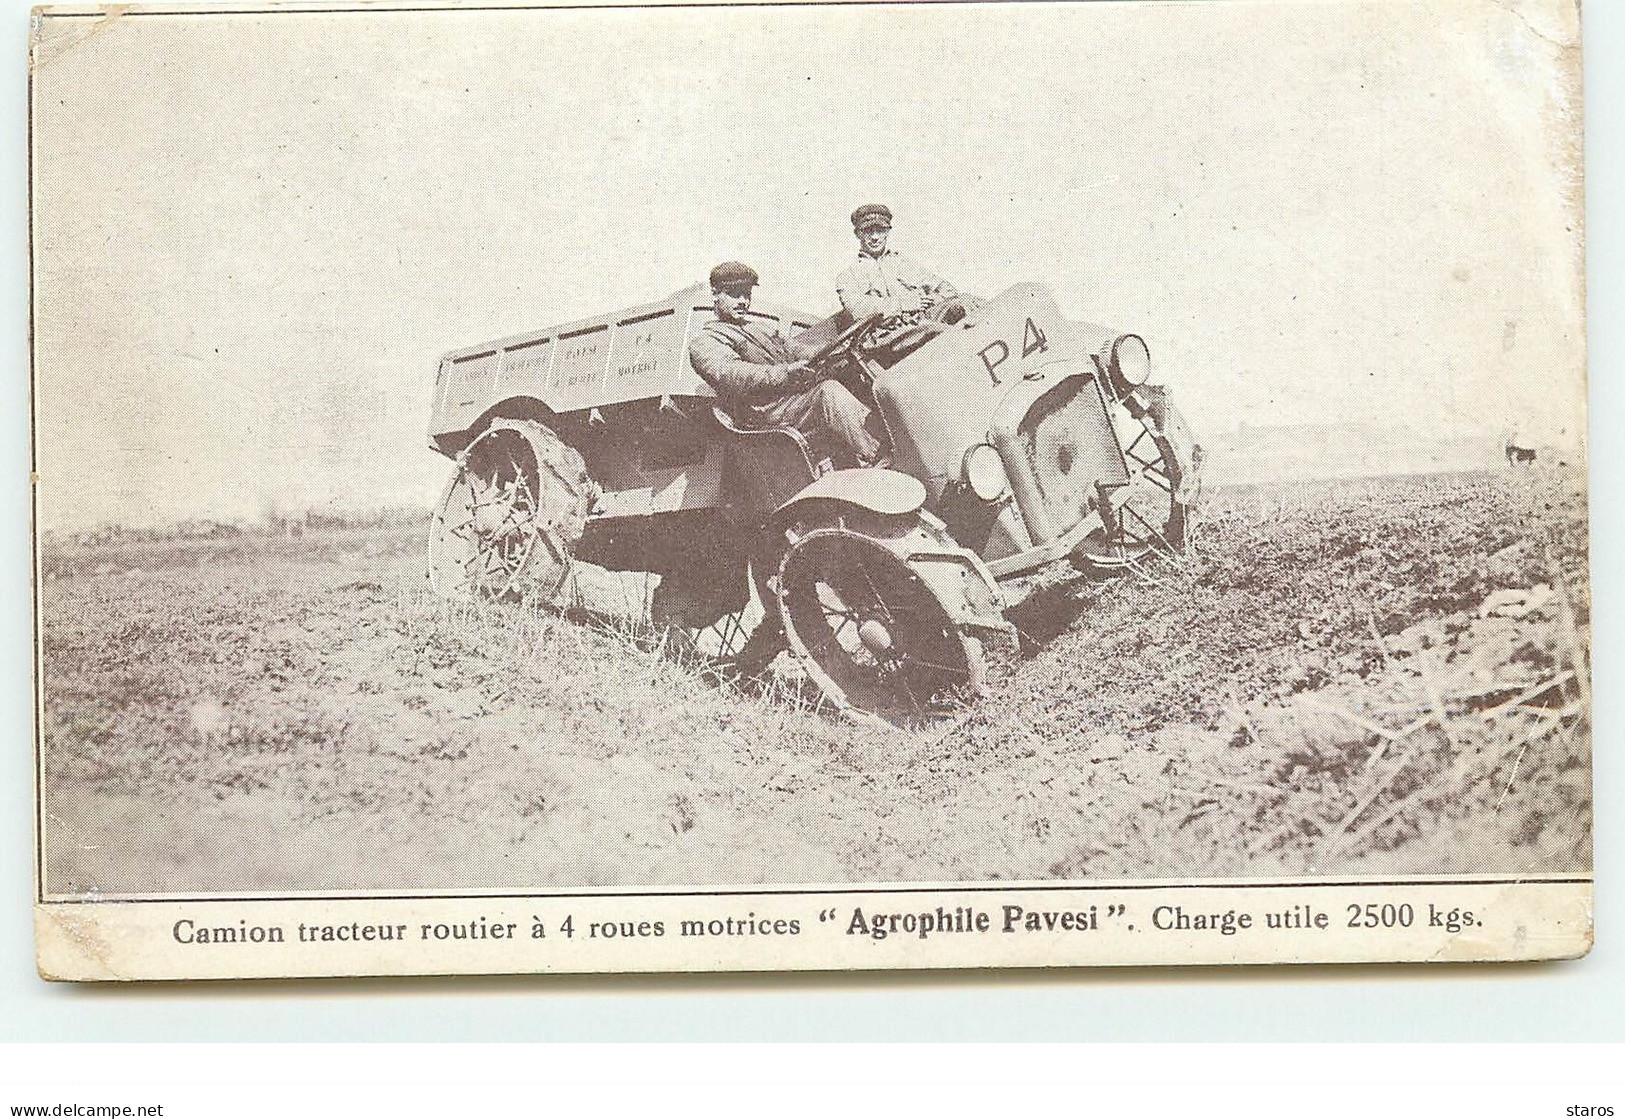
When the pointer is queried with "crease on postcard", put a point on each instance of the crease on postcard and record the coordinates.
(70, 945)
(66, 33)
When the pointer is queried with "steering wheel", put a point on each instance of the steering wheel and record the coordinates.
(846, 341)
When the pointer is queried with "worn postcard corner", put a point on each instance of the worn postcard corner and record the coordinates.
(689, 489)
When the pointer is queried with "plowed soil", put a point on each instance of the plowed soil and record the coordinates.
(1384, 676)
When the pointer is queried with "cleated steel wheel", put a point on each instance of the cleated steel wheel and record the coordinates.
(1149, 516)
(724, 638)
(720, 618)
(731, 637)
(869, 632)
(511, 514)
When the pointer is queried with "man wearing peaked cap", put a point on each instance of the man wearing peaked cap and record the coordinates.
(915, 303)
(762, 379)
(732, 274)
(871, 216)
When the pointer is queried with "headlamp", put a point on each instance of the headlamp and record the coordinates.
(1130, 363)
(983, 472)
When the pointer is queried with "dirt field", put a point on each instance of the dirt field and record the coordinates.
(1374, 677)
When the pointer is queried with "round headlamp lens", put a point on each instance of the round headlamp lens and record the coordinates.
(984, 472)
(1131, 361)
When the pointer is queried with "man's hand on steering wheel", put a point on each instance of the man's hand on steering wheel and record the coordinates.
(845, 343)
(800, 375)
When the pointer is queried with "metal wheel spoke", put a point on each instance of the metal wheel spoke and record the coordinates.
(482, 551)
(836, 620)
(498, 556)
(877, 599)
(1150, 528)
(844, 615)
(522, 486)
(825, 592)
(517, 518)
(913, 700)
(837, 630)
(1159, 479)
(481, 499)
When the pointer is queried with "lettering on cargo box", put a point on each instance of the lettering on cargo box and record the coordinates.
(642, 344)
(525, 366)
(582, 354)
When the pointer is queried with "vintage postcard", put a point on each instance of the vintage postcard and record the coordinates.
(542, 489)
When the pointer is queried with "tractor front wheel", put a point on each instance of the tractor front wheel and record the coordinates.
(1150, 515)
(870, 632)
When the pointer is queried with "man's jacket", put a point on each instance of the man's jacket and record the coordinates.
(744, 362)
(889, 285)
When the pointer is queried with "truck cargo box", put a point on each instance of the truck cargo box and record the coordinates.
(635, 354)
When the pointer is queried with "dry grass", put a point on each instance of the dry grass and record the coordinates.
(1313, 691)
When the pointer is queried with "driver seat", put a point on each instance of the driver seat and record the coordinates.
(763, 467)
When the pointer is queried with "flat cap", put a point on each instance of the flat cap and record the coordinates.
(732, 274)
(870, 215)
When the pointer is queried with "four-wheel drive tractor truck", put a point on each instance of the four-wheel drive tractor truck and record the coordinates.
(1017, 439)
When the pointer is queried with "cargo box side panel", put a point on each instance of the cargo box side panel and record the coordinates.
(465, 387)
(640, 353)
(649, 358)
(524, 370)
(578, 371)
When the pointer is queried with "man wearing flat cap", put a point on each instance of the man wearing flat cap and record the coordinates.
(916, 303)
(762, 379)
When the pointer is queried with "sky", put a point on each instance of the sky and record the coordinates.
(254, 234)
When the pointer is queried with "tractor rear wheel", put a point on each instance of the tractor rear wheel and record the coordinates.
(510, 516)
(870, 632)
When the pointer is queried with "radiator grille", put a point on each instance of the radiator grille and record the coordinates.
(1070, 446)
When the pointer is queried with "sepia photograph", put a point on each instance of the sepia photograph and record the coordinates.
(808, 486)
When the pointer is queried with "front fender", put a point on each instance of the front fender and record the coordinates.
(887, 492)
(957, 576)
